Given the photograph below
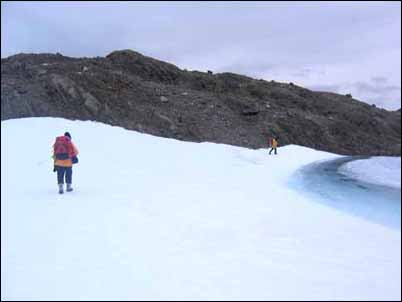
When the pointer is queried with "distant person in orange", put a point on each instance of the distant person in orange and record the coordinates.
(274, 145)
(64, 155)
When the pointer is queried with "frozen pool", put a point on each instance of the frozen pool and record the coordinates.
(323, 181)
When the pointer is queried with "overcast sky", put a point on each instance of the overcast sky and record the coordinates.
(344, 47)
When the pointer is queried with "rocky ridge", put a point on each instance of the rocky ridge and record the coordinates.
(140, 93)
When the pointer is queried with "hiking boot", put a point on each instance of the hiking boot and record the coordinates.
(69, 188)
(61, 189)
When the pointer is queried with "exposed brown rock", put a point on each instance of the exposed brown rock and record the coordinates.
(140, 93)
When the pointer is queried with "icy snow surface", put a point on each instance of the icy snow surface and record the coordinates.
(158, 219)
(381, 170)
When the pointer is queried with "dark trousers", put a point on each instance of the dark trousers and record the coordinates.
(271, 150)
(64, 171)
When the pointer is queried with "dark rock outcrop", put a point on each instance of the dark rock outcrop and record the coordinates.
(140, 93)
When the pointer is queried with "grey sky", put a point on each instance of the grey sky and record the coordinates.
(344, 47)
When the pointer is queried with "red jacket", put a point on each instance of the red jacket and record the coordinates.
(73, 151)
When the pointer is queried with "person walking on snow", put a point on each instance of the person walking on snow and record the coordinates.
(64, 155)
(274, 145)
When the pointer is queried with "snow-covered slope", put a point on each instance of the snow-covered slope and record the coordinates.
(158, 219)
(383, 170)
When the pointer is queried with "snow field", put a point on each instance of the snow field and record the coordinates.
(158, 219)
